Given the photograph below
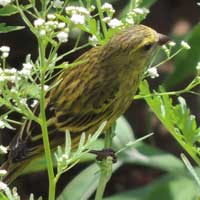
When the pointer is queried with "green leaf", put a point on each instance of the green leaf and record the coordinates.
(185, 62)
(3, 197)
(123, 133)
(169, 187)
(8, 10)
(148, 3)
(177, 120)
(146, 155)
(11, 10)
(7, 29)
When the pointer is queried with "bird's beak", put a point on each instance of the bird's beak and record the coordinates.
(163, 39)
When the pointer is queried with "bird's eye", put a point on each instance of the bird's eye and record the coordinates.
(147, 47)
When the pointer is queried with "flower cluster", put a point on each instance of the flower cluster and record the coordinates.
(136, 15)
(13, 75)
(109, 11)
(77, 14)
(52, 28)
(10, 75)
(153, 72)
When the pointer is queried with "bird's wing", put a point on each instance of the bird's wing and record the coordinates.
(85, 96)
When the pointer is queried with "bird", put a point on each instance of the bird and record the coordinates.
(100, 88)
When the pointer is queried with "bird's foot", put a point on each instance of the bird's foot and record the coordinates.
(104, 153)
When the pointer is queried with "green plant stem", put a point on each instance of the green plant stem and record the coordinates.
(187, 89)
(105, 168)
(101, 18)
(43, 124)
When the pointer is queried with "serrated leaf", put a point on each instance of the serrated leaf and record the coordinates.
(178, 120)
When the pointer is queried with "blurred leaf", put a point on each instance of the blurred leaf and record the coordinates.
(147, 155)
(84, 184)
(185, 62)
(36, 165)
(123, 133)
(7, 29)
(191, 169)
(168, 187)
(148, 3)
(2, 197)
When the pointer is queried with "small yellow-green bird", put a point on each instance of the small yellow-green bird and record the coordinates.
(100, 89)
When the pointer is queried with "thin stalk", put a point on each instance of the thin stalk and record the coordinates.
(105, 168)
(101, 17)
(43, 124)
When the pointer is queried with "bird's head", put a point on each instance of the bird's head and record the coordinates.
(134, 46)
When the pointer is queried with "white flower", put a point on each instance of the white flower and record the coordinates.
(28, 66)
(26, 70)
(38, 22)
(113, 23)
(106, 19)
(130, 20)
(42, 32)
(51, 25)
(108, 7)
(3, 186)
(3, 150)
(35, 102)
(5, 54)
(77, 10)
(58, 4)
(1, 80)
(153, 73)
(10, 71)
(145, 11)
(13, 90)
(78, 19)
(62, 36)
(93, 40)
(5, 49)
(23, 101)
(198, 66)
(141, 11)
(2, 124)
(171, 44)
(4, 2)
(61, 25)
(3, 172)
(92, 8)
(185, 45)
(51, 16)
(46, 87)
(138, 11)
